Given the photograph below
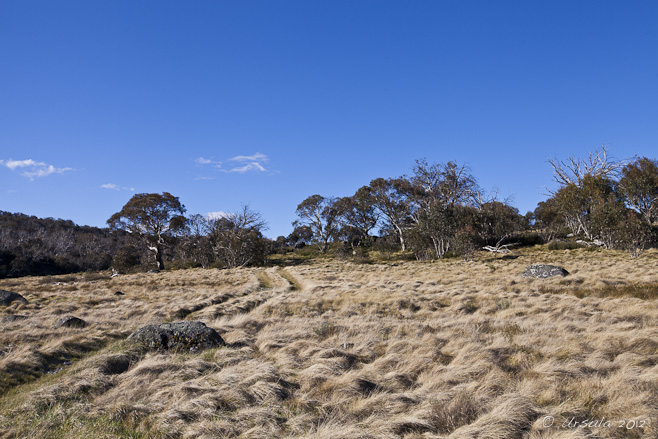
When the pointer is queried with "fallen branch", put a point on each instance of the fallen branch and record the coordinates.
(499, 248)
(596, 243)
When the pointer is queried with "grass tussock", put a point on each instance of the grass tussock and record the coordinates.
(641, 291)
(325, 349)
(294, 283)
(265, 280)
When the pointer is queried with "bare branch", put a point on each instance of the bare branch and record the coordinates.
(480, 198)
(574, 169)
(504, 249)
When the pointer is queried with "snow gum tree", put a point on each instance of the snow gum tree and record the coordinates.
(151, 218)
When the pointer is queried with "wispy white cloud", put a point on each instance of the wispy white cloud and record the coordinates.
(242, 164)
(33, 169)
(45, 171)
(258, 157)
(252, 162)
(13, 164)
(216, 215)
(205, 161)
(116, 187)
(253, 166)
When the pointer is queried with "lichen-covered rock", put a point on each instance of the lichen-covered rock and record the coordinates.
(178, 336)
(70, 322)
(542, 271)
(6, 297)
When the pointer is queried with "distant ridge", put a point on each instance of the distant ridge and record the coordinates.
(45, 246)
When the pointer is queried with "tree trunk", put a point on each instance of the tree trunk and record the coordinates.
(158, 257)
(401, 236)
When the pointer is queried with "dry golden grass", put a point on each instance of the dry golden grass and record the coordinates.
(337, 350)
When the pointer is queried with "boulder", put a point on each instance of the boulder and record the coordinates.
(119, 293)
(6, 297)
(542, 271)
(178, 336)
(70, 322)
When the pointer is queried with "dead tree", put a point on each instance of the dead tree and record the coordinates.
(575, 169)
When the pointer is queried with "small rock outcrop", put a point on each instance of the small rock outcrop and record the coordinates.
(70, 322)
(542, 271)
(6, 297)
(178, 336)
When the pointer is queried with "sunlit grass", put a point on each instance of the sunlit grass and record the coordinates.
(329, 349)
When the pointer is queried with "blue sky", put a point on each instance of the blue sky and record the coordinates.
(267, 102)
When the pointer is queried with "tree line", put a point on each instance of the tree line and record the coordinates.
(438, 211)
(158, 230)
(36, 246)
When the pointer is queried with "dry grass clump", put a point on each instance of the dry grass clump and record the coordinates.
(336, 350)
(32, 347)
(641, 291)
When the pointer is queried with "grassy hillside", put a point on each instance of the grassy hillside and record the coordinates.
(338, 350)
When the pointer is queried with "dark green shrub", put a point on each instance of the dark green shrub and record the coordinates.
(127, 259)
(564, 245)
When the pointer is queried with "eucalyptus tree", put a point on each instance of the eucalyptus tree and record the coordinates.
(237, 238)
(639, 186)
(391, 198)
(300, 236)
(499, 221)
(438, 193)
(321, 215)
(357, 215)
(443, 184)
(588, 198)
(549, 221)
(151, 218)
(195, 246)
(574, 170)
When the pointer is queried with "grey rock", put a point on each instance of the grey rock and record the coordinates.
(6, 297)
(542, 271)
(178, 336)
(70, 322)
